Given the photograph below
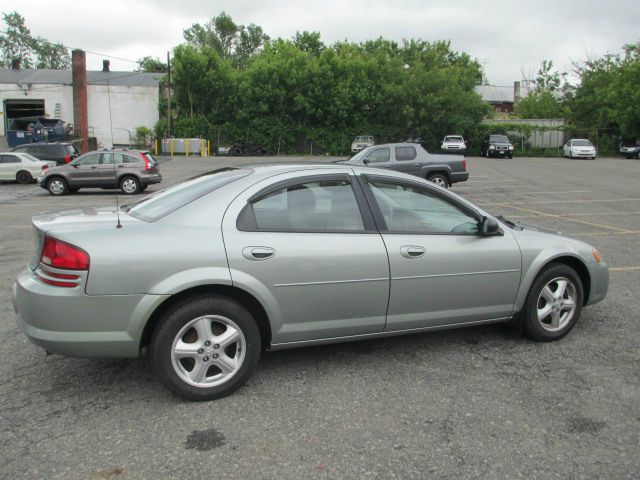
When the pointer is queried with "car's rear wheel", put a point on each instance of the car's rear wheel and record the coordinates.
(130, 185)
(439, 179)
(205, 347)
(24, 177)
(57, 186)
(554, 303)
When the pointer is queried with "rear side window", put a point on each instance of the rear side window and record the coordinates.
(405, 153)
(166, 201)
(321, 206)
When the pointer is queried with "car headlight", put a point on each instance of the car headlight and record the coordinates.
(510, 147)
(596, 255)
(492, 147)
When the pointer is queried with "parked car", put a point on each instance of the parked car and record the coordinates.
(362, 141)
(207, 273)
(496, 146)
(579, 148)
(60, 153)
(453, 144)
(412, 158)
(132, 171)
(630, 151)
(21, 167)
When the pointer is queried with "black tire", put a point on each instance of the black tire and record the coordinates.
(570, 154)
(129, 185)
(511, 156)
(57, 186)
(543, 330)
(24, 177)
(143, 187)
(176, 319)
(236, 151)
(439, 179)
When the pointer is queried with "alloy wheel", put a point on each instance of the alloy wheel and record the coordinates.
(556, 304)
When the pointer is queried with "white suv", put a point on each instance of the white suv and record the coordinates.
(453, 143)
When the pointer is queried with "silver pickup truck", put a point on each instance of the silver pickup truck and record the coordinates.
(443, 170)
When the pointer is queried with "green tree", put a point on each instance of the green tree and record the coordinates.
(229, 40)
(151, 65)
(17, 43)
(546, 98)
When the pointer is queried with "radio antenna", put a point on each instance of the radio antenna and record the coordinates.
(113, 157)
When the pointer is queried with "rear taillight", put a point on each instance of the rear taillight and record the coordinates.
(59, 254)
(147, 163)
(464, 164)
(67, 158)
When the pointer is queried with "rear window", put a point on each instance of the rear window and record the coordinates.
(166, 201)
(582, 143)
(452, 139)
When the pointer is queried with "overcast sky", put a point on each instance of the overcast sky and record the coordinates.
(509, 37)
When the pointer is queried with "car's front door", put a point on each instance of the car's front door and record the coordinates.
(308, 248)
(85, 171)
(443, 271)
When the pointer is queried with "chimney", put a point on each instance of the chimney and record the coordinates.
(15, 64)
(105, 65)
(79, 81)
(516, 92)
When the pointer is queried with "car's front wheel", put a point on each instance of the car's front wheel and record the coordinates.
(205, 347)
(57, 186)
(554, 303)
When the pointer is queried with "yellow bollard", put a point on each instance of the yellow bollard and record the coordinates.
(202, 148)
(156, 147)
(209, 147)
(171, 147)
(186, 148)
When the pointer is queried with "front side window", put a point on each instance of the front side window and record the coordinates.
(93, 159)
(405, 153)
(379, 155)
(9, 159)
(322, 206)
(411, 209)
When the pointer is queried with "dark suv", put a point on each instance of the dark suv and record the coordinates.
(60, 153)
(129, 170)
(496, 146)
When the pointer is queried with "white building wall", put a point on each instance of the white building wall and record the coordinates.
(131, 107)
(50, 93)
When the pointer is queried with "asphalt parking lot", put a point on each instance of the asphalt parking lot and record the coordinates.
(478, 402)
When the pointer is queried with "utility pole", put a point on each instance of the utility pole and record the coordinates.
(169, 95)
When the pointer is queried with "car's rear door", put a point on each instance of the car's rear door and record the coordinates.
(406, 159)
(443, 272)
(306, 245)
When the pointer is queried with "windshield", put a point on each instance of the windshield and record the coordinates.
(582, 143)
(360, 155)
(499, 138)
(453, 139)
(363, 139)
(170, 199)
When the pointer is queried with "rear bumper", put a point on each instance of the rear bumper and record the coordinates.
(456, 177)
(69, 322)
(151, 179)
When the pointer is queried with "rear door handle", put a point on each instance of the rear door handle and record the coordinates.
(412, 251)
(258, 253)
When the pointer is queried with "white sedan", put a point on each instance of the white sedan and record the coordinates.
(579, 148)
(21, 167)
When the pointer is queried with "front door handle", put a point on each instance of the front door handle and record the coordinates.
(412, 251)
(258, 253)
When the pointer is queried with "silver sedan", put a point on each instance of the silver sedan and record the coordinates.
(209, 272)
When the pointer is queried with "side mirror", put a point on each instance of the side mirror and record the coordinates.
(365, 161)
(488, 226)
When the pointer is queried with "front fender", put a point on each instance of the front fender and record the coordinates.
(532, 267)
